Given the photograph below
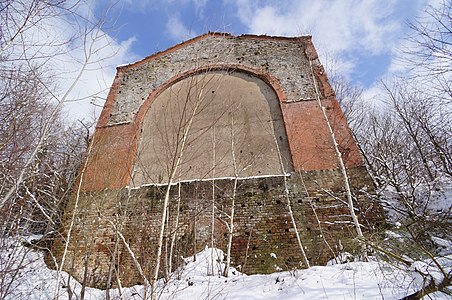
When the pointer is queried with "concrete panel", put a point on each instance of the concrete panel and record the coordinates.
(214, 108)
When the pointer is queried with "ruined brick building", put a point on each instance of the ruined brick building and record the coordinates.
(222, 118)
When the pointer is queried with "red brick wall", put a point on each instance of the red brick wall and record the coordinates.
(310, 143)
(110, 162)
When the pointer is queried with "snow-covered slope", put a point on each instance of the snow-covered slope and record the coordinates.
(200, 279)
(24, 275)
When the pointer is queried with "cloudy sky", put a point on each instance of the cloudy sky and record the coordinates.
(358, 37)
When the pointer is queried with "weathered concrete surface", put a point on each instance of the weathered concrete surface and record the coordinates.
(227, 116)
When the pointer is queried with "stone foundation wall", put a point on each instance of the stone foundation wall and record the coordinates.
(264, 239)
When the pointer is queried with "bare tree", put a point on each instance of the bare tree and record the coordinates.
(342, 167)
(406, 144)
(230, 225)
(18, 17)
(428, 52)
(407, 148)
(40, 153)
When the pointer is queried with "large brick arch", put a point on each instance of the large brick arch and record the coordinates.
(307, 135)
(268, 78)
(111, 161)
(249, 96)
(116, 139)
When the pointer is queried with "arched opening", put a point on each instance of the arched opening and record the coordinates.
(220, 124)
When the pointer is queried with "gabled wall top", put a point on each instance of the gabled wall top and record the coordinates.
(284, 58)
(304, 39)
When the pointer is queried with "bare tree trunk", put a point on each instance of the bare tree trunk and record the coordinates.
(71, 224)
(212, 233)
(321, 229)
(231, 230)
(316, 216)
(289, 207)
(175, 165)
(176, 228)
(194, 236)
(167, 239)
(341, 167)
(234, 190)
(112, 267)
(247, 250)
(134, 259)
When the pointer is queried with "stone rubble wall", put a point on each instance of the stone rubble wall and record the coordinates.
(284, 59)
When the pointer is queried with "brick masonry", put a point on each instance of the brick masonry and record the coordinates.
(263, 226)
(283, 63)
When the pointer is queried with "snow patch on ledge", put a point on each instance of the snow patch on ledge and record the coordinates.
(118, 123)
(208, 179)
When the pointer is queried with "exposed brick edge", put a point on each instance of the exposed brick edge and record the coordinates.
(111, 98)
(327, 94)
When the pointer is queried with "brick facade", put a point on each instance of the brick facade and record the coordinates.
(288, 66)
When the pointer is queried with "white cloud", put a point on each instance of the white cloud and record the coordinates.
(401, 64)
(177, 30)
(138, 4)
(171, 5)
(344, 24)
(60, 44)
(200, 6)
(343, 31)
(338, 27)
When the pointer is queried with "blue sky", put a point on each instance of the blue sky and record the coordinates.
(357, 38)
(361, 36)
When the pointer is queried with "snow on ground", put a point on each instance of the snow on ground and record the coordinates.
(201, 277)
(433, 200)
(354, 280)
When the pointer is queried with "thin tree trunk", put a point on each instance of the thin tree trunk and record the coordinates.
(212, 234)
(289, 206)
(174, 168)
(231, 230)
(341, 167)
(176, 228)
(231, 217)
(315, 214)
(134, 259)
(111, 267)
(71, 224)
(247, 250)
(194, 236)
(168, 234)
(118, 228)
